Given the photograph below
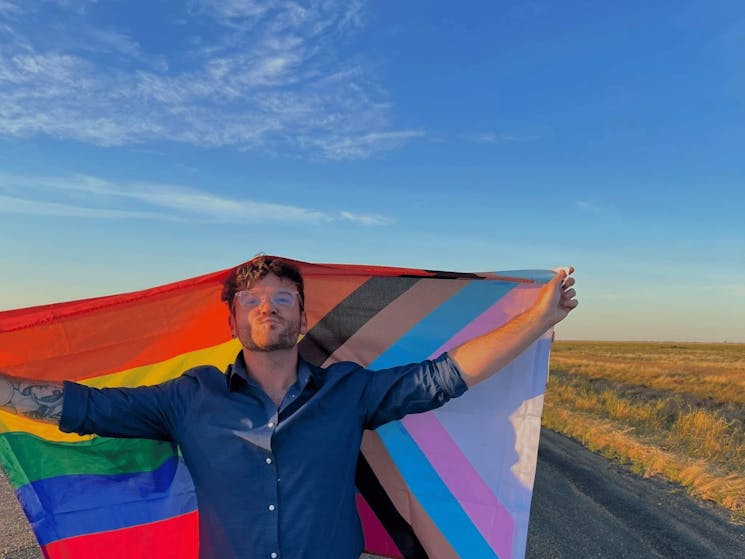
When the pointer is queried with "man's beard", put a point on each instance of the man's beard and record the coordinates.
(283, 336)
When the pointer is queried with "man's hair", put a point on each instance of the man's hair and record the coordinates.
(248, 273)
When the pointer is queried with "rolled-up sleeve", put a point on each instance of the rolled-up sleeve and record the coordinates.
(151, 412)
(393, 393)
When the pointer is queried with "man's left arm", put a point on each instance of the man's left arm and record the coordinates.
(37, 399)
(481, 357)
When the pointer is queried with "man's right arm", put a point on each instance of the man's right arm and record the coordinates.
(35, 399)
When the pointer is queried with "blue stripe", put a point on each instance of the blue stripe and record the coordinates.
(434, 496)
(444, 322)
(423, 481)
(541, 276)
(66, 506)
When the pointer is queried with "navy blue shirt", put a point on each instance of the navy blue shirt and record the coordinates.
(271, 483)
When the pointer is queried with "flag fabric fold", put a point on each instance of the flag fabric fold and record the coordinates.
(452, 483)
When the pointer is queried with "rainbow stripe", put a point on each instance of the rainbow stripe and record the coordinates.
(446, 484)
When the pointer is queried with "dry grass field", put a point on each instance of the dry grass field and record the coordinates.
(670, 409)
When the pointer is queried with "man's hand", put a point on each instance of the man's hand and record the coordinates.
(557, 298)
(480, 358)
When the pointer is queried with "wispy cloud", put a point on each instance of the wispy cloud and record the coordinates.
(270, 76)
(10, 204)
(586, 206)
(8, 8)
(481, 137)
(79, 6)
(365, 219)
(502, 137)
(228, 11)
(339, 146)
(83, 196)
(112, 41)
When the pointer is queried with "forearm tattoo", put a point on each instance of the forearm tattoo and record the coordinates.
(35, 399)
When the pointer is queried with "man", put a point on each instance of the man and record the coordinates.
(272, 443)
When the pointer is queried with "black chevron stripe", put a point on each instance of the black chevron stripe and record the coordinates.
(334, 329)
(400, 531)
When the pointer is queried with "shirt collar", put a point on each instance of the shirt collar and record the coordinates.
(237, 373)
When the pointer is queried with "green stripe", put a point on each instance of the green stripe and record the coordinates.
(26, 458)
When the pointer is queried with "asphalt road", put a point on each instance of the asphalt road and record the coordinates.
(583, 507)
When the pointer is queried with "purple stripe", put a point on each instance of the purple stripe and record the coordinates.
(491, 518)
(511, 304)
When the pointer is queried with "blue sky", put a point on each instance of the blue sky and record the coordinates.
(146, 142)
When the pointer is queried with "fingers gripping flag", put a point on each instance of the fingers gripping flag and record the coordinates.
(452, 483)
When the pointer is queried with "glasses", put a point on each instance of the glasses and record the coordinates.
(249, 299)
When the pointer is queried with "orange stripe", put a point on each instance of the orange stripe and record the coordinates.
(123, 337)
(137, 333)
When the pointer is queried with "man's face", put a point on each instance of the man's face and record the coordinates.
(268, 325)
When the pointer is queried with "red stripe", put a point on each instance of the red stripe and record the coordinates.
(32, 316)
(175, 537)
(92, 337)
(100, 336)
(377, 540)
(132, 334)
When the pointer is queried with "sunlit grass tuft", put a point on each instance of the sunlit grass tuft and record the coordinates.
(714, 371)
(679, 419)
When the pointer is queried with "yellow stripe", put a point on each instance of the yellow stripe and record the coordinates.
(220, 356)
(11, 423)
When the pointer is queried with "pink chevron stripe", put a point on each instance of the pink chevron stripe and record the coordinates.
(510, 305)
(491, 518)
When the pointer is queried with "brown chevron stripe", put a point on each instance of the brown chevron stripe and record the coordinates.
(374, 337)
(378, 500)
(350, 315)
(364, 345)
(407, 507)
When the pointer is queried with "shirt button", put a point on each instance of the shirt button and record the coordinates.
(274, 555)
(268, 460)
(270, 424)
(271, 507)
